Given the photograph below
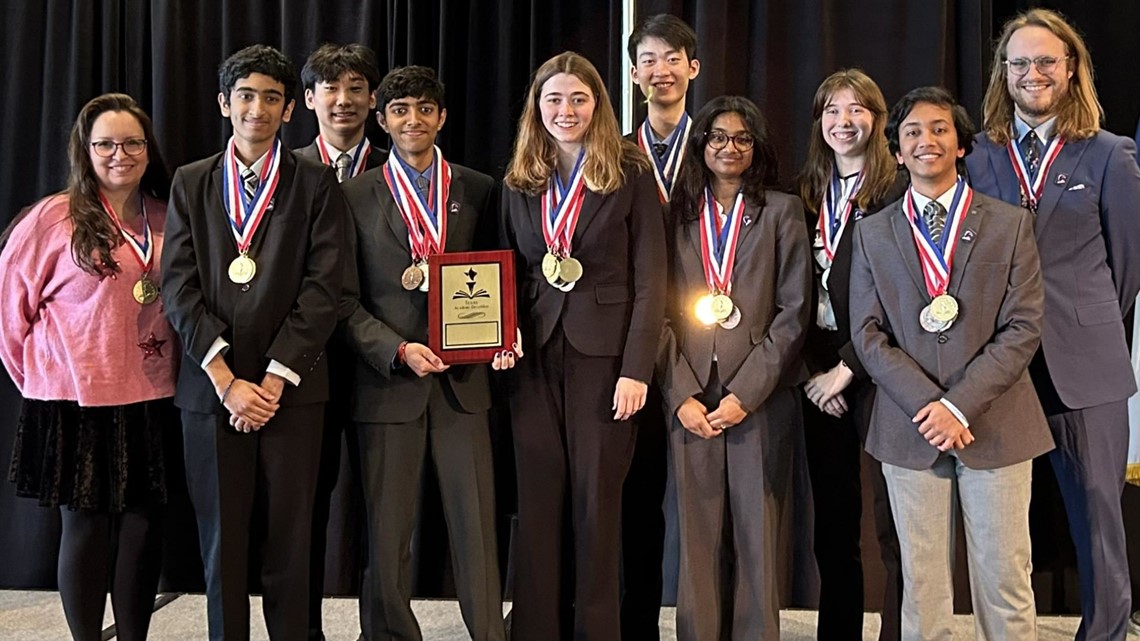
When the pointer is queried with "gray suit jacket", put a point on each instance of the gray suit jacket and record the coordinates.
(379, 313)
(772, 289)
(1088, 235)
(979, 364)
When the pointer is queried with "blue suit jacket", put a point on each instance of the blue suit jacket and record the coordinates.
(1088, 236)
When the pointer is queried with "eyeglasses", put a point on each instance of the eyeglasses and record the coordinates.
(719, 140)
(131, 147)
(1044, 64)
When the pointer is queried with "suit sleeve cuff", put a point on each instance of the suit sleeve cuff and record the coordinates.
(957, 414)
(275, 367)
(220, 346)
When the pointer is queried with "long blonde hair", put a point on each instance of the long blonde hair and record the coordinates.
(1079, 114)
(535, 154)
(879, 167)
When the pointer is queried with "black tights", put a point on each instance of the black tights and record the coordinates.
(118, 551)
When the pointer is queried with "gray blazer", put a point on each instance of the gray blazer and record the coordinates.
(979, 364)
(378, 313)
(772, 289)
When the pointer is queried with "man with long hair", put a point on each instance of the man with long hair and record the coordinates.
(1043, 148)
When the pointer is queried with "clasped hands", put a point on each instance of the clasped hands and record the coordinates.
(825, 390)
(938, 425)
(251, 405)
(696, 418)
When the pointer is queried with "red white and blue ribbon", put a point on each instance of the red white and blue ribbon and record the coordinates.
(359, 156)
(937, 259)
(718, 242)
(142, 249)
(665, 169)
(246, 214)
(1031, 189)
(426, 219)
(561, 206)
(835, 211)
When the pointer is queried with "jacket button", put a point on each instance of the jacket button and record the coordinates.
(942, 339)
(245, 287)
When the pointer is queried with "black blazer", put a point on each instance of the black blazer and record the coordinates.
(381, 313)
(378, 156)
(618, 306)
(287, 312)
(823, 348)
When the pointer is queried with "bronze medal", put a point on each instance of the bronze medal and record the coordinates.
(412, 278)
(242, 269)
(145, 291)
(733, 319)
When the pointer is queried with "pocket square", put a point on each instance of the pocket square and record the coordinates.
(1076, 187)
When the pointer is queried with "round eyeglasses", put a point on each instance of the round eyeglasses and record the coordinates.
(719, 140)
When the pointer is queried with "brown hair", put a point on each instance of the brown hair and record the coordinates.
(93, 233)
(535, 154)
(1079, 114)
(879, 167)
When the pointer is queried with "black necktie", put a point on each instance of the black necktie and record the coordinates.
(342, 163)
(659, 149)
(935, 216)
(249, 183)
(1031, 149)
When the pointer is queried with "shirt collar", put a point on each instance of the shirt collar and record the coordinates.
(668, 140)
(946, 199)
(1044, 130)
(331, 151)
(256, 166)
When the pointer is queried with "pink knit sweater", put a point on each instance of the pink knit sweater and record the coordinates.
(70, 335)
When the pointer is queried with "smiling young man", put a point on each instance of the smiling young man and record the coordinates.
(946, 305)
(340, 88)
(1043, 148)
(251, 280)
(411, 411)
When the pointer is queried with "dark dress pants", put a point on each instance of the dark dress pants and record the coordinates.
(571, 458)
(250, 492)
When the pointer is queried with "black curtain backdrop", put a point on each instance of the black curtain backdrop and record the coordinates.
(58, 55)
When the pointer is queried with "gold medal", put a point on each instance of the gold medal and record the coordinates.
(704, 310)
(550, 268)
(242, 269)
(145, 291)
(569, 270)
(944, 308)
(722, 307)
(412, 278)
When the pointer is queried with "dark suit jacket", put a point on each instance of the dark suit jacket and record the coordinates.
(1088, 236)
(618, 306)
(375, 159)
(823, 349)
(288, 310)
(978, 364)
(772, 289)
(382, 313)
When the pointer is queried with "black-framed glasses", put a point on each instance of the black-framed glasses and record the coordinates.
(130, 147)
(719, 140)
(1044, 64)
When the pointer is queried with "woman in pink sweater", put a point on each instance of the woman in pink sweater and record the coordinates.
(85, 341)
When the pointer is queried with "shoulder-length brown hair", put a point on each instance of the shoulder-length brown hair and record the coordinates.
(93, 234)
(1079, 114)
(535, 155)
(879, 167)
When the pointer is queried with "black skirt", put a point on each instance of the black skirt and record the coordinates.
(105, 459)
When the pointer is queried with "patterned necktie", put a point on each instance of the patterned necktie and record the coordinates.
(935, 216)
(249, 183)
(342, 163)
(659, 149)
(422, 184)
(1031, 149)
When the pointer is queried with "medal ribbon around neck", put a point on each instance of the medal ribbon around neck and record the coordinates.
(359, 156)
(835, 211)
(937, 259)
(1032, 192)
(561, 206)
(143, 250)
(426, 219)
(718, 245)
(665, 169)
(246, 215)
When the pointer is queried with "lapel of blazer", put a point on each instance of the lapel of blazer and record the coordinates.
(971, 225)
(904, 238)
(454, 206)
(1002, 169)
(1066, 162)
(390, 213)
(590, 206)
